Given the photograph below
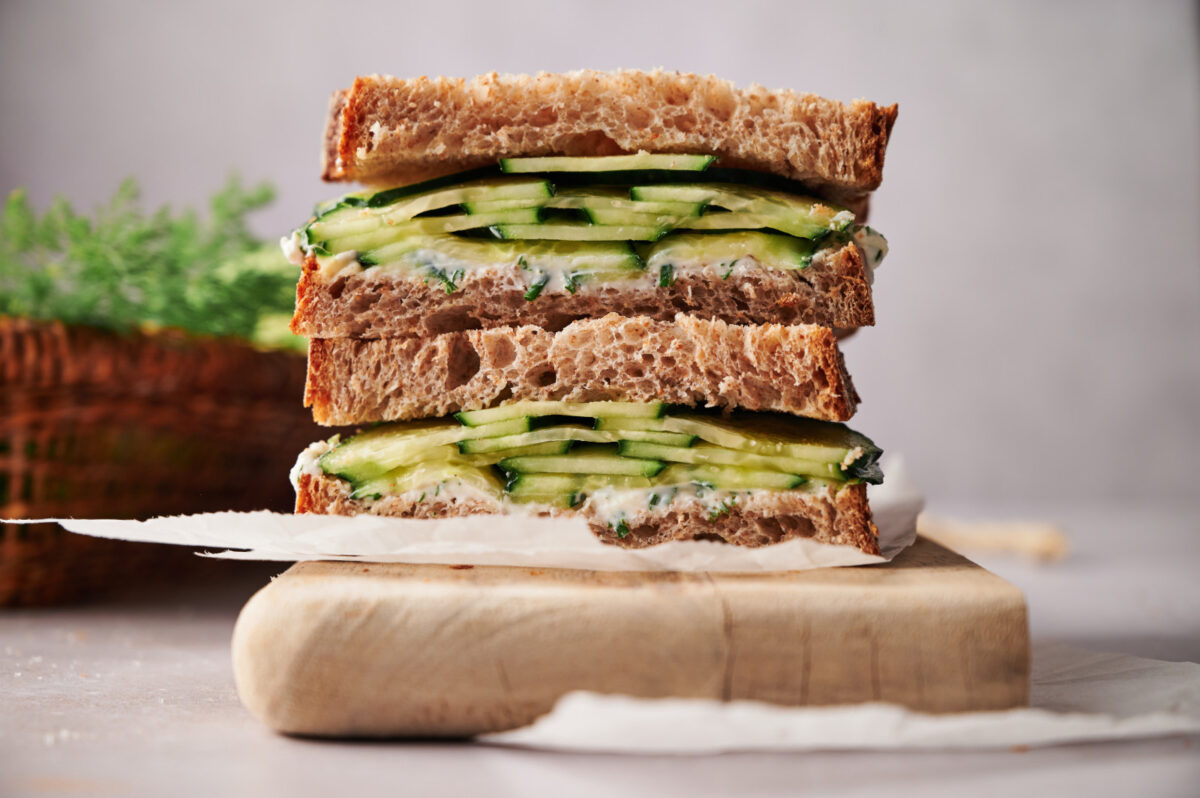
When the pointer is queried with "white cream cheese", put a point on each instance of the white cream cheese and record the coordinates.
(293, 248)
(307, 462)
(874, 248)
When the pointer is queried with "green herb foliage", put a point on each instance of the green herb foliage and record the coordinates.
(122, 268)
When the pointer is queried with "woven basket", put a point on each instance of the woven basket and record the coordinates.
(95, 424)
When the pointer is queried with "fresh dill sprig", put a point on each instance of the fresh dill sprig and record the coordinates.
(121, 268)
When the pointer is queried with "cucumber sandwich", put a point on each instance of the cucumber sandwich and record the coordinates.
(602, 293)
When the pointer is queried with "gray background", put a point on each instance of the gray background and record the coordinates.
(1039, 317)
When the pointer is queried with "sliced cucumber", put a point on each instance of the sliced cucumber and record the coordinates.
(390, 446)
(707, 454)
(616, 217)
(769, 249)
(590, 463)
(556, 490)
(428, 477)
(616, 199)
(568, 434)
(390, 196)
(578, 231)
(608, 163)
(385, 234)
(759, 433)
(733, 220)
(528, 410)
(730, 478)
(796, 215)
(350, 217)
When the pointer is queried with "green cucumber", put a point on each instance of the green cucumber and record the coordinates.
(388, 446)
(707, 454)
(796, 215)
(568, 434)
(533, 409)
(608, 163)
(390, 196)
(618, 200)
(730, 477)
(769, 249)
(578, 231)
(733, 220)
(556, 490)
(427, 477)
(616, 217)
(386, 234)
(759, 433)
(347, 218)
(589, 463)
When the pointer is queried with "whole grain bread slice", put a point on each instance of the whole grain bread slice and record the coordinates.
(792, 369)
(834, 291)
(827, 515)
(393, 130)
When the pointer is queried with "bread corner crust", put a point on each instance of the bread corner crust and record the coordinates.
(840, 517)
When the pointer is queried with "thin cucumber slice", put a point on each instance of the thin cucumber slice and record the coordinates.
(389, 446)
(771, 250)
(707, 454)
(531, 190)
(730, 477)
(592, 463)
(795, 226)
(796, 215)
(578, 231)
(570, 434)
(622, 218)
(762, 433)
(428, 478)
(608, 163)
(528, 410)
(616, 199)
(568, 490)
(556, 490)
(491, 206)
(390, 196)
(426, 226)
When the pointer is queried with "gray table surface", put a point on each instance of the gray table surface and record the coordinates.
(134, 696)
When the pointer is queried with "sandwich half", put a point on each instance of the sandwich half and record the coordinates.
(608, 294)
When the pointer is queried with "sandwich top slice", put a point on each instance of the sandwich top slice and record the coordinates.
(392, 130)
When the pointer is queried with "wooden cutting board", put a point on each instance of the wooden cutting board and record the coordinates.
(354, 649)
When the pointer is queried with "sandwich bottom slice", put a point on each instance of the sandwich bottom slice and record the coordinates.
(639, 473)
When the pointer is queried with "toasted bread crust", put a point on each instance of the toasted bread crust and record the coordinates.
(796, 369)
(837, 516)
(392, 130)
(833, 292)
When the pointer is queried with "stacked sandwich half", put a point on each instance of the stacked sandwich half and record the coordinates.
(604, 293)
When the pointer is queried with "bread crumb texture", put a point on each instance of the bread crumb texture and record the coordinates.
(392, 130)
(792, 369)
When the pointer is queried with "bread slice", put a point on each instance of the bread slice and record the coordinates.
(826, 515)
(834, 291)
(392, 130)
(688, 361)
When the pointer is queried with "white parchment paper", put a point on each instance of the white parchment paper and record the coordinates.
(1077, 696)
(561, 542)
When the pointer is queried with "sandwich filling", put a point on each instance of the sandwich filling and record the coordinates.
(564, 224)
(620, 463)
